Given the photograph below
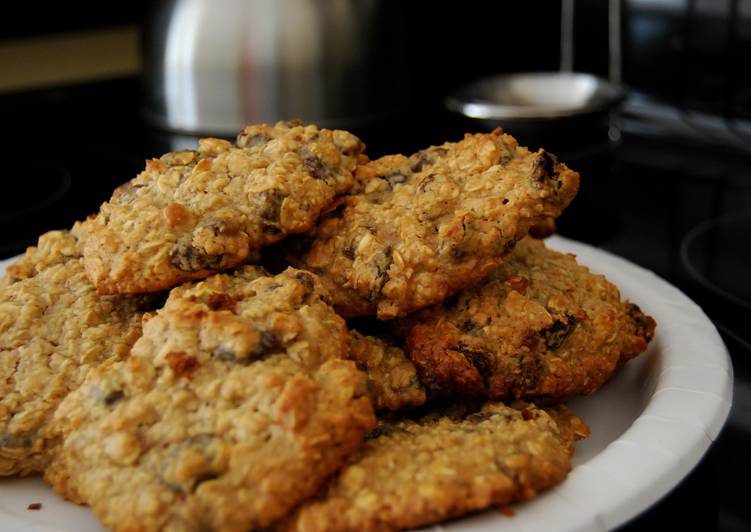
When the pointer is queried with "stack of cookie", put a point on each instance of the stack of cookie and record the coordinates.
(152, 370)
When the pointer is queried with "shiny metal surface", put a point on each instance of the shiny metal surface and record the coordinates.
(535, 96)
(213, 66)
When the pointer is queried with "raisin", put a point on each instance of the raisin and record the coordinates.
(543, 167)
(481, 360)
(221, 301)
(557, 333)
(252, 140)
(421, 158)
(550, 162)
(508, 246)
(467, 326)
(188, 258)
(113, 397)
(380, 264)
(314, 165)
(530, 371)
(349, 251)
(456, 252)
(645, 325)
(268, 344)
(271, 204)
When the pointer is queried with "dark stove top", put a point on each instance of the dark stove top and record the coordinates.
(666, 197)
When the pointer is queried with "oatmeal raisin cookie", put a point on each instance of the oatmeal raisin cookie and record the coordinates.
(54, 328)
(426, 226)
(541, 326)
(235, 405)
(414, 473)
(192, 213)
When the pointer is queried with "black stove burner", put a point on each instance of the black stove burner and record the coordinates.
(717, 254)
(33, 188)
(53, 191)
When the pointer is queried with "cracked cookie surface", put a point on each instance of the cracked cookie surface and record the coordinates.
(426, 226)
(54, 327)
(414, 473)
(192, 213)
(541, 326)
(234, 406)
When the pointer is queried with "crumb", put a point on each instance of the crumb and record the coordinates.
(506, 510)
(34, 506)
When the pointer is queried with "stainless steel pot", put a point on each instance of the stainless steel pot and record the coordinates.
(212, 66)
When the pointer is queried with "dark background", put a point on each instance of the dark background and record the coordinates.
(646, 196)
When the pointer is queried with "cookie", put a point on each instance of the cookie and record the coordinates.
(53, 247)
(192, 213)
(235, 405)
(541, 326)
(414, 473)
(426, 226)
(392, 377)
(54, 328)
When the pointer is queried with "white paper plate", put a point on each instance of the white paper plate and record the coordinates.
(650, 425)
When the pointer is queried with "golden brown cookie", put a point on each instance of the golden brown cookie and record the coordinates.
(428, 225)
(392, 377)
(54, 327)
(413, 473)
(235, 405)
(53, 247)
(541, 326)
(192, 213)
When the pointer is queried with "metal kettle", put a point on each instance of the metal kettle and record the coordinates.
(212, 66)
